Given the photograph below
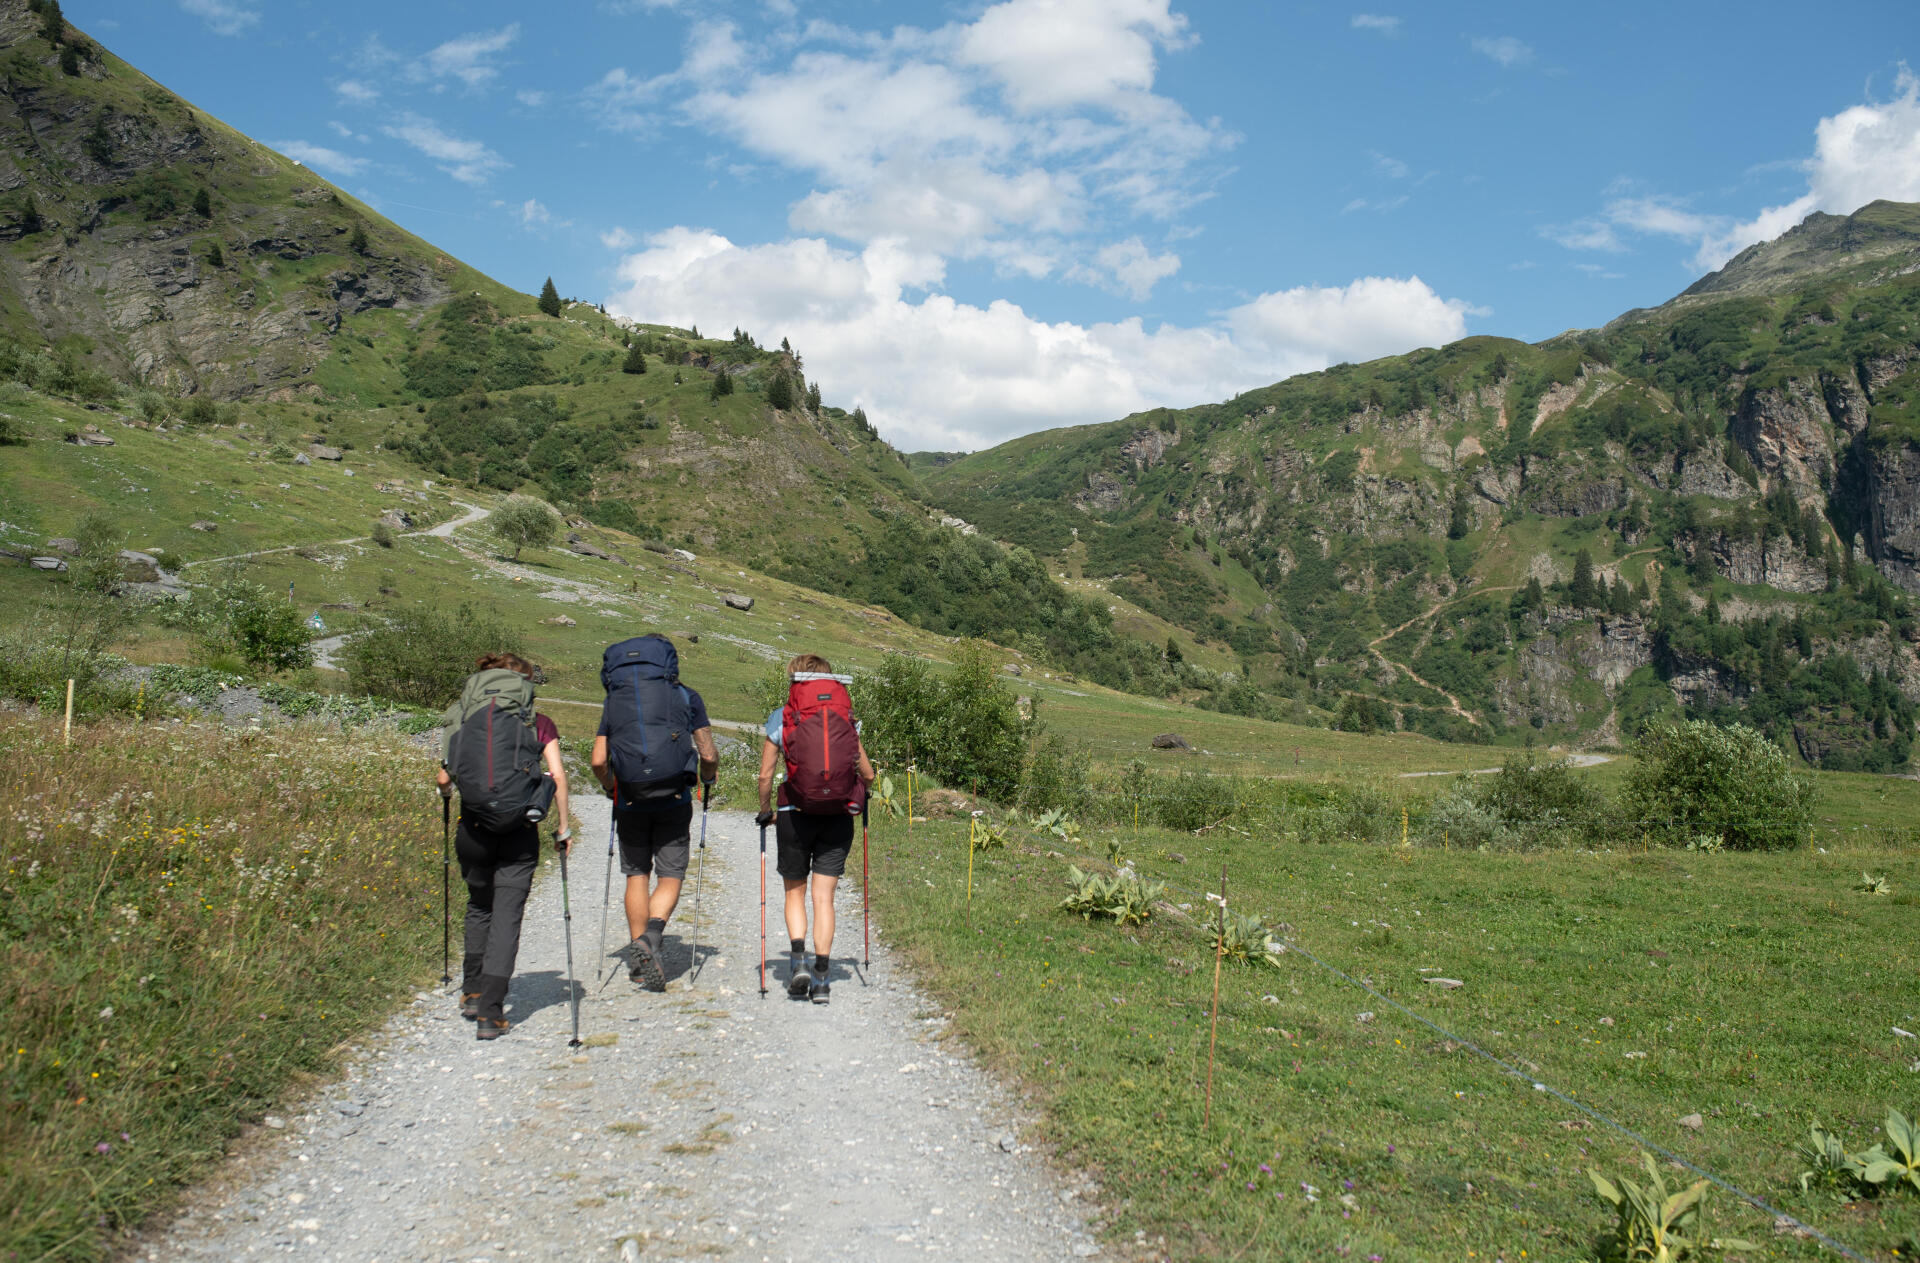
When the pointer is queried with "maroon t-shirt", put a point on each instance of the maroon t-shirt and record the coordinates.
(544, 730)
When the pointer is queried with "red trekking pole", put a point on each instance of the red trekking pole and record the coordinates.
(866, 885)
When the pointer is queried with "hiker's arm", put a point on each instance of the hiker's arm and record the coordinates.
(602, 766)
(769, 756)
(709, 755)
(558, 772)
(865, 767)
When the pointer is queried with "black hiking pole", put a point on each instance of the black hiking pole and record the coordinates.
(566, 916)
(866, 884)
(446, 889)
(699, 871)
(763, 910)
(606, 898)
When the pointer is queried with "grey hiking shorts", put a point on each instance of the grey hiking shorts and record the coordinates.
(655, 841)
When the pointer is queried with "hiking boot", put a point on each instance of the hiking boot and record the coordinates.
(645, 968)
(822, 992)
(491, 1027)
(798, 978)
(470, 1005)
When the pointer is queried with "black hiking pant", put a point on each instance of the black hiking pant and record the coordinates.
(498, 869)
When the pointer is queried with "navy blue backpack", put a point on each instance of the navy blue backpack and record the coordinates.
(648, 716)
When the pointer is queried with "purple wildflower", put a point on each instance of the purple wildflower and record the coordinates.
(1265, 1169)
(103, 1147)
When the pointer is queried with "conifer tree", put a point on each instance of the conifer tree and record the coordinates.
(203, 203)
(1459, 521)
(357, 242)
(780, 393)
(30, 221)
(813, 398)
(860, 420)
(70, 62)
(550, 298)
(636, 358)
(53, 23)
(216, 257)
(722, 385)
(1582, 591)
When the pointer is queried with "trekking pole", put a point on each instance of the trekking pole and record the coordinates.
(606, 898)
(566, 917)
(446, 889)
(699, 871)
(866, 901)
(763, 910)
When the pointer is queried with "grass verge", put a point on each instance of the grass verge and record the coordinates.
(191, 919)
(1757, 991)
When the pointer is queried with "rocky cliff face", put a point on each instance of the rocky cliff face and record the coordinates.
(184, 255)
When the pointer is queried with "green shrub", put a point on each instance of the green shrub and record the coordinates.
(421, 656)
(1541, 803)
(1694, 778)
(200, 410)
(523, 523)
(965, 728)
(382, 534)
(1124, 898)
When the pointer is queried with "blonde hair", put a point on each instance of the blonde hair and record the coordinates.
(809, 662)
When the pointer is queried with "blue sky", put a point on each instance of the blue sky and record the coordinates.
(978, 220)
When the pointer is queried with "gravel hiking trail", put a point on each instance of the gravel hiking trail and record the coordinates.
(705, 1121)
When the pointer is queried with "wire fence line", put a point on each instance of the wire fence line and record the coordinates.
(1289, 941)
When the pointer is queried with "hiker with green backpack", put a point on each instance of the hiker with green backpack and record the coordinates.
(654, 733)
(503, 759)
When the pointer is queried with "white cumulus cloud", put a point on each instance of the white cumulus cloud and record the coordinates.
(1504, 49)
(937, 372)
(321, 158)
(1862, 154)
(1380, 22)
(223, 17)
(468, 161)
(616, 238)
(468, 58)
(355, 92)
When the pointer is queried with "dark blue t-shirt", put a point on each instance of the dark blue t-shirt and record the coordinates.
(699, 709)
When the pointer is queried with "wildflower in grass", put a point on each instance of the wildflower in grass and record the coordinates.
(103, 1148)
(1265, 1169)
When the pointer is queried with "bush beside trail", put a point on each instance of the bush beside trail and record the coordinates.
(190, 918)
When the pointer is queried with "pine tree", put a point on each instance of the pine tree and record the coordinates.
(1173, 652)
(70, 62)
(1713, 606)
(357, 241)
(1622, 602)
(780, 393)
(695, 332)
(813, 398)
(216, 257)
(636, 359)
(53, 23)
(1536, 596)
(30, 221)
(203, 203)
(1459, 521)
(1582, 591)
(785, 347)
(722, 385)
(860, 420)
(550, 298)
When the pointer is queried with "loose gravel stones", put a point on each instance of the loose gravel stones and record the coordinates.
(704, 1120)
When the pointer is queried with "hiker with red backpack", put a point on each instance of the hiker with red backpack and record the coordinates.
(504, 761)
(653, 734)
(827, 777)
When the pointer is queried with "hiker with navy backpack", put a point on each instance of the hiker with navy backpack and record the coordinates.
(827, 777)
(503, 760)
(654, 736)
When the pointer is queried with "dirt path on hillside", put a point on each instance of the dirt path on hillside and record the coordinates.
(706, 1120)
(1573, 760)
(474, 513)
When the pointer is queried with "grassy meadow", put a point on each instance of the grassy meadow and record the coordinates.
(194, 921)
(1758, 991)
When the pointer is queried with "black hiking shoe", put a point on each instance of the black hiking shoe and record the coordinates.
(799, 978)
(645, 966)
(822, 992)
(491, 1028)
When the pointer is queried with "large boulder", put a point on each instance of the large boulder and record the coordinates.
(320, 451)
(735, 601)
(1170, 741)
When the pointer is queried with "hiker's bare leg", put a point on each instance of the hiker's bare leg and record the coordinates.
(666, 896)
(636, 904)
(823, 888)
(796, 908)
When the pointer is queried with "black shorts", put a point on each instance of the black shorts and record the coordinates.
(653, 841)
(812, 843)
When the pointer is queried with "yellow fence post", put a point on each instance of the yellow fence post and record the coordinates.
(66, 732)
(1213, 1034)
(972, 821)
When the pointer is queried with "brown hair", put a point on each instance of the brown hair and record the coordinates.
(504, 661)
(810, 662)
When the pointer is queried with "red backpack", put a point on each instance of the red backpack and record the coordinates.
(821, 746)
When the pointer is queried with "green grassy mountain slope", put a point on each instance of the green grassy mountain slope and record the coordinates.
(1402, 541)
